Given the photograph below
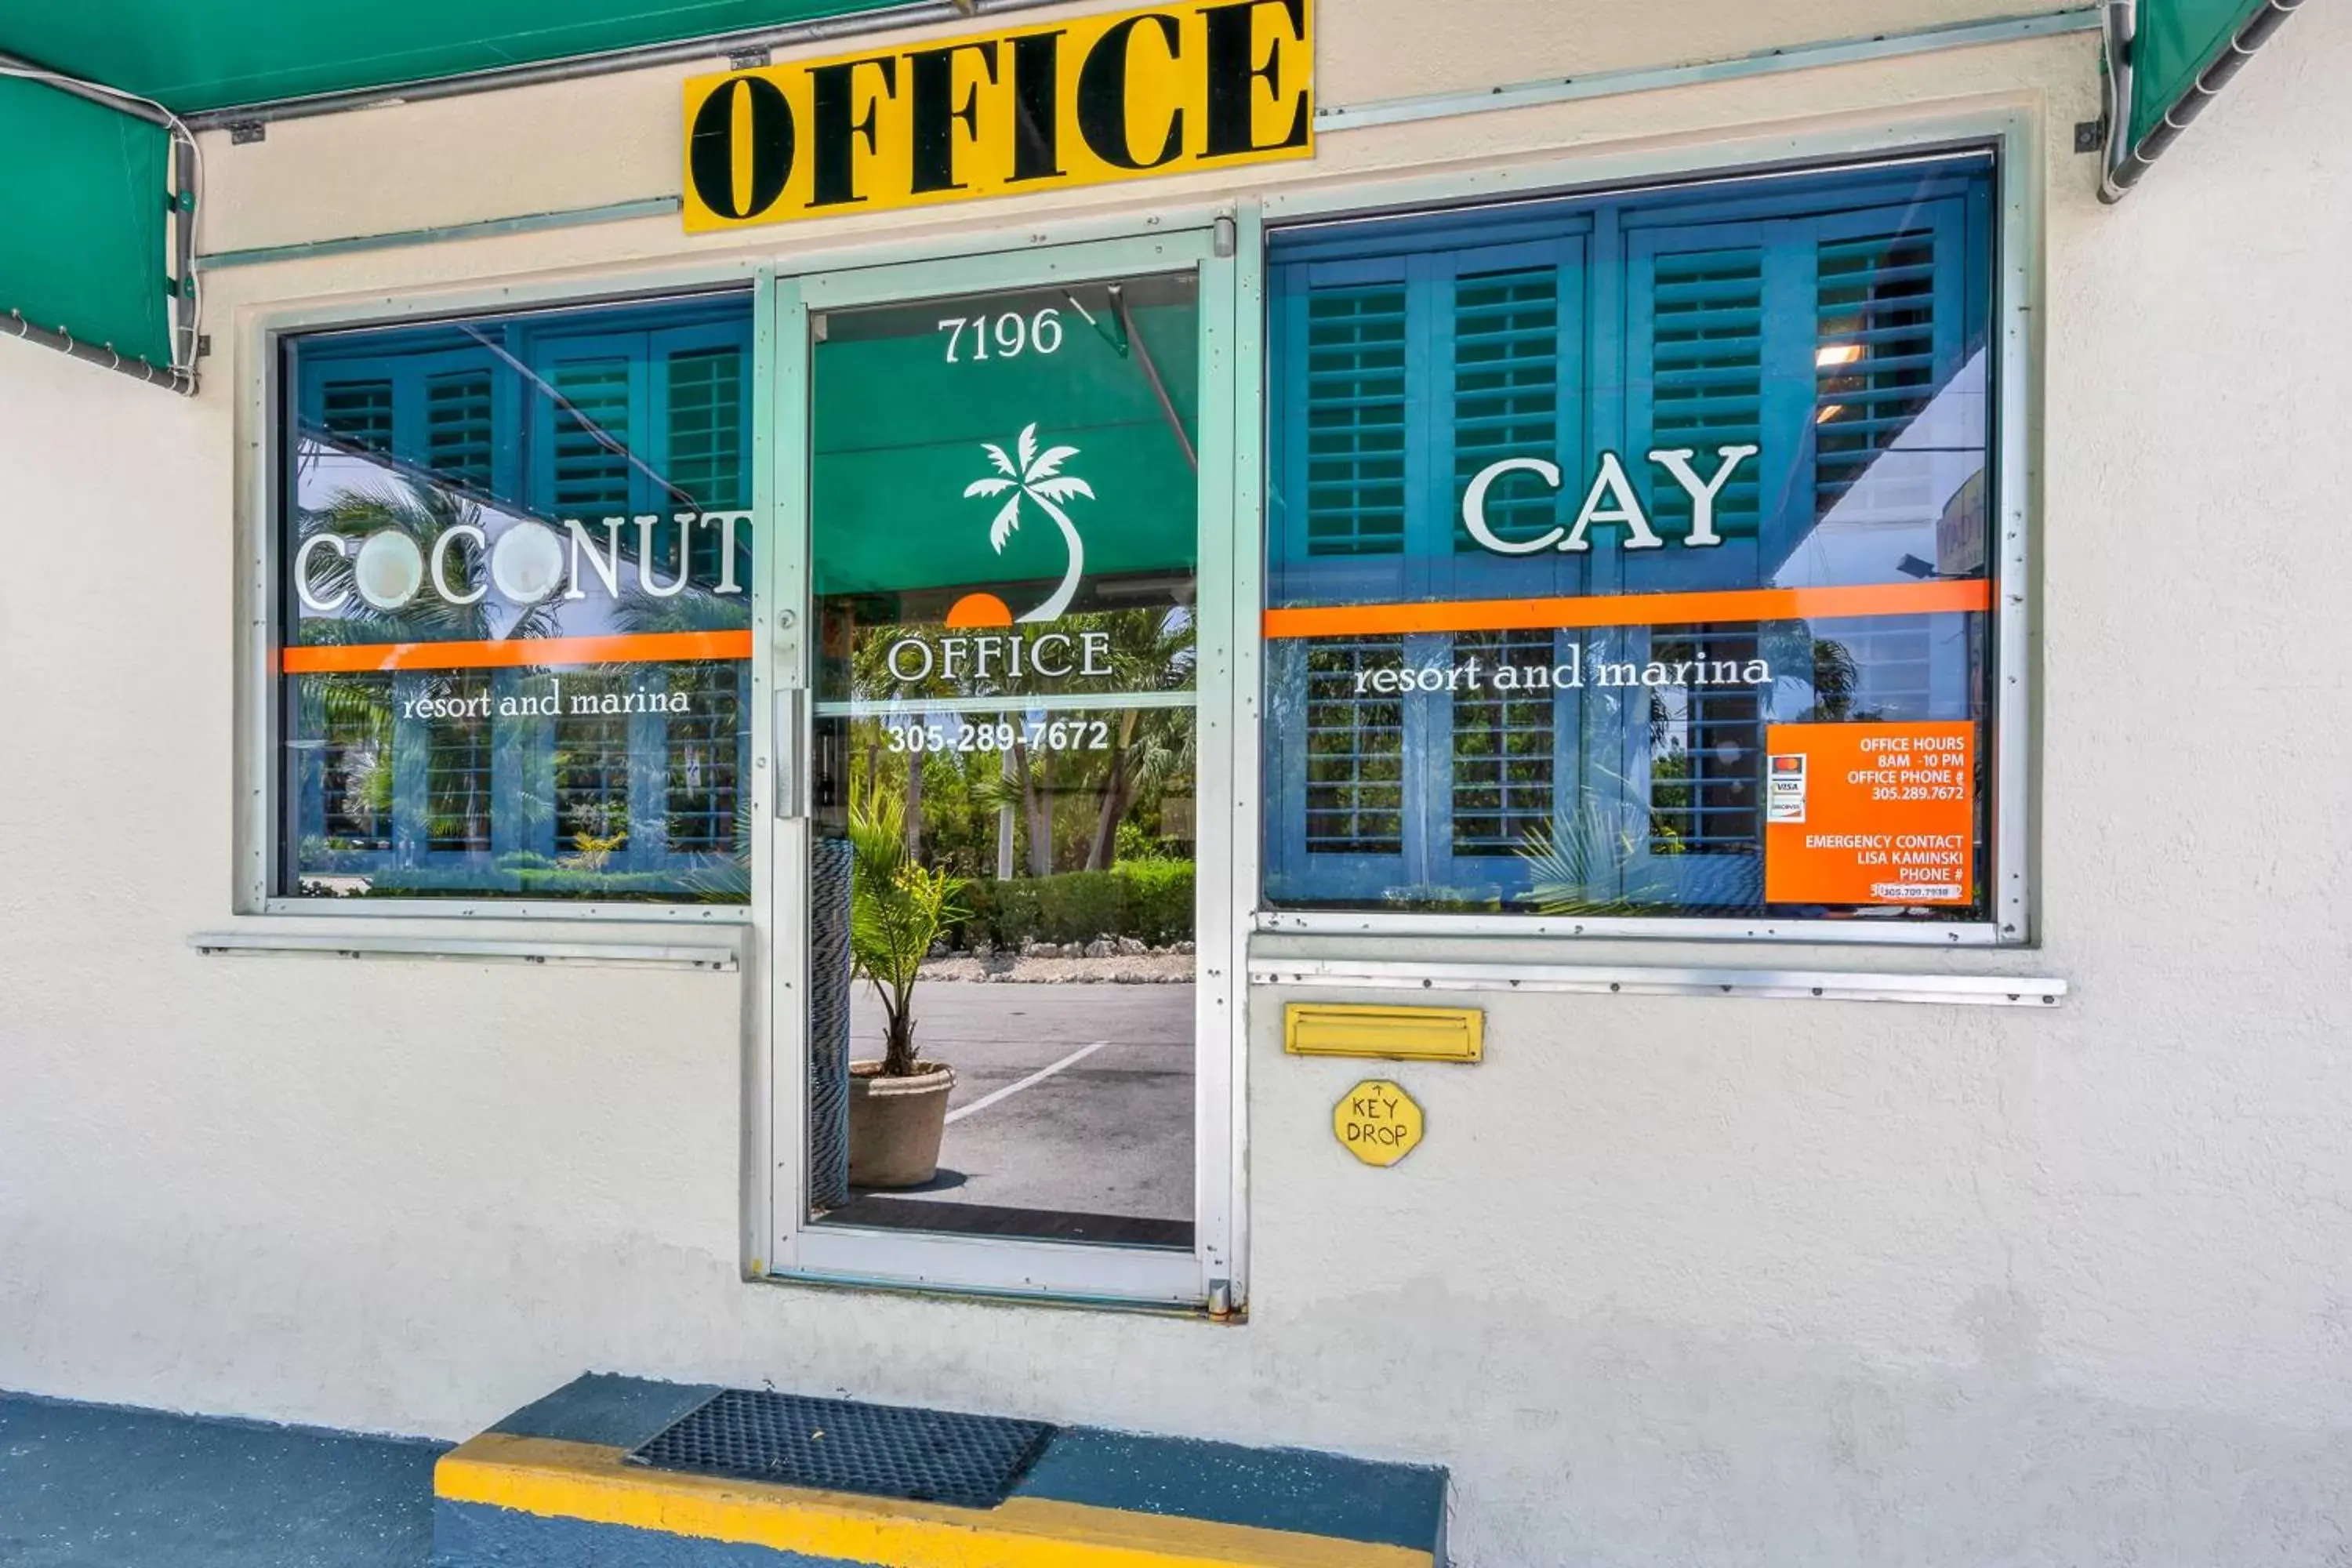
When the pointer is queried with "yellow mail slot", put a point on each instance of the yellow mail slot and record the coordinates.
(1390, 1034)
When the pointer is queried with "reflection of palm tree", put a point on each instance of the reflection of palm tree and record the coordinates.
(1038, 477)
(1150, 748)
(424, 513)
(1599, 861)
(356, 706)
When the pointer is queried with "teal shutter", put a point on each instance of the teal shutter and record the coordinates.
(705, 751)
(1354, 427)
(1706, 379)
(1413, 375)
(588, 414)
(588, 456)
(1355, 751)
(1822, 339)
(460, 437)
(1504, 746)
(357, 413)
(1513, 329)
(1506, 390)
(1828, 322)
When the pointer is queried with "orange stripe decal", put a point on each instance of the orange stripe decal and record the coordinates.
(1633, 609)
(641, 647)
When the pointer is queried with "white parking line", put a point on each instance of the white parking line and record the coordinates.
(1034, 1078)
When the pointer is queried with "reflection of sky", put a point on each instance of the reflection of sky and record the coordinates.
(327, 473)
(1892, 509)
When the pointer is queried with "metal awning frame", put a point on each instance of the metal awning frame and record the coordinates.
(2122, 164)
(2125, 161)
(187, 182)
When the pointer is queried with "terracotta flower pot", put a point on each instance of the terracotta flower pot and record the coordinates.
(895, 1124)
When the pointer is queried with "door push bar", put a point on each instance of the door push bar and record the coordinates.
(792, 739)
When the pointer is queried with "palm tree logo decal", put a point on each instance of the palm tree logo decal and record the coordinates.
(1036, 476)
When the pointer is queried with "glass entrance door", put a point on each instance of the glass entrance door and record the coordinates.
(995, 846)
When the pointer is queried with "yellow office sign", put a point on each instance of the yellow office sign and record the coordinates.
(1168, 89)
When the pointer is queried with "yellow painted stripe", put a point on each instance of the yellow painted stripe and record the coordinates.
(559, 1479)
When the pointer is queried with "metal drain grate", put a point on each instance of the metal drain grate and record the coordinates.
(880, 1450)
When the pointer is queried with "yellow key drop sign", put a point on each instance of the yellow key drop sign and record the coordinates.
(1378, 1122)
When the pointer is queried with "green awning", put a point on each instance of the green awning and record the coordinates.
(86, 252)
(2177, 40)
(2179, 54)
(200, 54)
(87, 258)
(85, 245)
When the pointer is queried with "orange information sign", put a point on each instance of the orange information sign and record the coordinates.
(1870, 813)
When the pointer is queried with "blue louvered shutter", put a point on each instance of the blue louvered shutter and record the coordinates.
(461, 439)
(1510, 321)
(1823, 339)
(1890, 305)
(1338, 366)
(590, 411)
(356, 412)
(1354, 420)
(1714, 322)
(593, 404)
(702, 388)
(1396, 380)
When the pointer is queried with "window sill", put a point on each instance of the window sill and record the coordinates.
(404, 943)
(502, 909)
(1654, 979)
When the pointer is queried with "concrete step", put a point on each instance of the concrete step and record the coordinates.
(562, 1484)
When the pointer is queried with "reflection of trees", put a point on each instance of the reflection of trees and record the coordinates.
(1623, 847)
(1153, 752)
(1599, 861)
(359, 705)
(356, 708)
(424, 512)
(1151, 748)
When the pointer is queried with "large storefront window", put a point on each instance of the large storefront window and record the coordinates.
(1628, 556)
(515, 558)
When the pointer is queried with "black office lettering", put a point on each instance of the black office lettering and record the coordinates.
(1102, 96)
(832, 92)
(931, 93)
(1036, 114)
(711, 150)
(1234, 76)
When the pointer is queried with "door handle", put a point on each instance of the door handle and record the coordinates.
(792, 747)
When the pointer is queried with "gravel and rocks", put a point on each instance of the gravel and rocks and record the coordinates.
(1107, 960)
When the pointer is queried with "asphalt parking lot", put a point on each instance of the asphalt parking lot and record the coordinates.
(1070, 1098)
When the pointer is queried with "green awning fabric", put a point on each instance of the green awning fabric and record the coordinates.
(85, 188)
(84, 249)
(2177, 40)
(198, 55)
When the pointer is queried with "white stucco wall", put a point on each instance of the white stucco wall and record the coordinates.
(1700, 1280)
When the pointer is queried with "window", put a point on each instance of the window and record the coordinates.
(515, 630)
(1627, 556)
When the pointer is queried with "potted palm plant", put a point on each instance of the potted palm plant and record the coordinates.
(897, 908)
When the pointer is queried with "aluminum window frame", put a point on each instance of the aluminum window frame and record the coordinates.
(264, 401)
(2013, 139)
